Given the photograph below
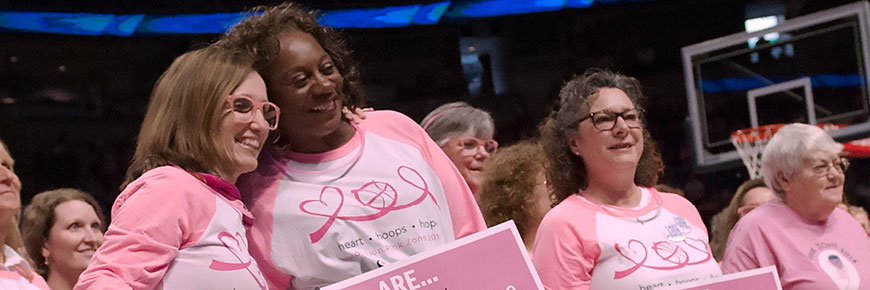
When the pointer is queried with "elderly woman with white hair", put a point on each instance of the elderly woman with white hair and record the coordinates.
(813, 243)
(465, 134)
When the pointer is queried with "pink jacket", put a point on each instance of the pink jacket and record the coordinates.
(175, 230)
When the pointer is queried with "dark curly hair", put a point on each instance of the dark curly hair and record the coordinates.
(258, 36)
(508, 186)
(567, 172)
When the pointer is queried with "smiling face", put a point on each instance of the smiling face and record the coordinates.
(817, 185)
(73, 238)
(620, 147)
(306, 85)
(246, 134)
(468, 154)
(10, 186)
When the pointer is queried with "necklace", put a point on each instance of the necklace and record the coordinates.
(629, 214)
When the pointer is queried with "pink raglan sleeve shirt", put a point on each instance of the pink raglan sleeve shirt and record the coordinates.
(464, 211)
(151, 221)
(562, 262)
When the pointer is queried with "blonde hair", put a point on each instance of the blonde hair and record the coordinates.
(507, 191)
(182, 124)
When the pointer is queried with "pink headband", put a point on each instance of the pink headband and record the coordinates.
(426, 126)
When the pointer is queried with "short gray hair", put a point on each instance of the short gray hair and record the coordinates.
(452, 119)
(788, 147)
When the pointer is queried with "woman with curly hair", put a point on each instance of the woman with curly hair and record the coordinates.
(514, 188)
(748, 196)
(334, 199)
(612, 229)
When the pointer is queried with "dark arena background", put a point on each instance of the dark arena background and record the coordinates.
(71, 102)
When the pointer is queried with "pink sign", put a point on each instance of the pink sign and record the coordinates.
(765, 278)
(492, 259)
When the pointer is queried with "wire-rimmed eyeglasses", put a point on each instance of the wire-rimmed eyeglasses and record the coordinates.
(822, 167)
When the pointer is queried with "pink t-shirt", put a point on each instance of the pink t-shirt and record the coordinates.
(13, 271)
(834, 254)
(387, 194)
(175, 230)
(662, 244)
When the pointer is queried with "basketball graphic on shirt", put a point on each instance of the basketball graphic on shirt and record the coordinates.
(377, 195)
(670, 252)
(839, 269)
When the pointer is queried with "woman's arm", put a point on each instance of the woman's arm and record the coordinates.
(151, 220)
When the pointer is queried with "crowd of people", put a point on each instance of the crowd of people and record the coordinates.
(257, 168)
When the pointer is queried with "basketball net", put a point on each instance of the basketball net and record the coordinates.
(750, 145)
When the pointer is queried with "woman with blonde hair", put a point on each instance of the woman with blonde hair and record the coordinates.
(15, 268)
(63, 229)
(179, 223)
(515, 188)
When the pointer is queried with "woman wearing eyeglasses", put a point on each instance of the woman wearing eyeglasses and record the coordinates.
(335, 199)
(465, 134)
(813, 243)
(611, 228)
(179, 222)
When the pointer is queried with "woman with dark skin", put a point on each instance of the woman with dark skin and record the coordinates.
(333, 198)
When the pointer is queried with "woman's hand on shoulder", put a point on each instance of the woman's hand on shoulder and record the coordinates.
(357, 115)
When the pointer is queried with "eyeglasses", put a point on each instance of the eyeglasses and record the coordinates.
(470, 145)
(606, 120)
(821, 167)
(243, 108)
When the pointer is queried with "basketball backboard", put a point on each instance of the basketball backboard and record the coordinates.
(813, 70)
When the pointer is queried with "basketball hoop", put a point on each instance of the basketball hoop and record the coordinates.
(750, 144)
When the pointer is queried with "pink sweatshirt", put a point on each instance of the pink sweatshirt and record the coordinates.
(175, 230)
(13, 271)
(387, 194)
(834, 254)
(662, 244)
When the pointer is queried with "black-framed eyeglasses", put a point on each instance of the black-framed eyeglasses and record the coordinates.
(606, 120)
